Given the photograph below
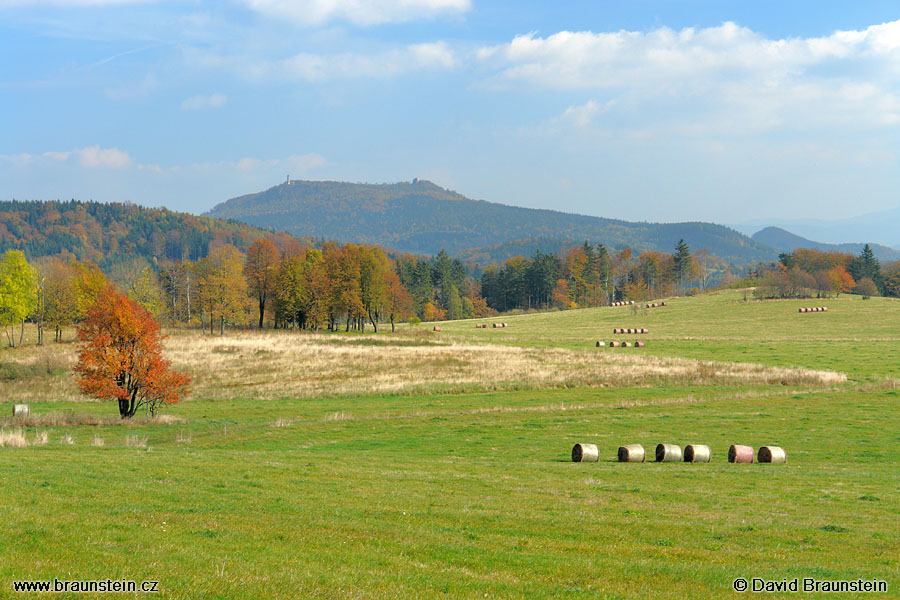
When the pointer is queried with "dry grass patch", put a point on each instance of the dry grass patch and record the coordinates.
(281, 422)
(71, 419)
(13, 438)
(98, 441)
(135, 441)
(278, 364)
(67, 439)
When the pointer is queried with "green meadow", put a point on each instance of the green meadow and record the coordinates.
(472, 494)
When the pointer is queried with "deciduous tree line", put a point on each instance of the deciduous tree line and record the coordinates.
(807, 272)
(592, 276)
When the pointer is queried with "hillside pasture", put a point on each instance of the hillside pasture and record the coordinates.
(425, 464)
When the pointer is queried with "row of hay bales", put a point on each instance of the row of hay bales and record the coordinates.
(692, 453)
(813, 309)
(638, 330)
(656, 304)
(615, 344)
(628, 303)
(495, 325)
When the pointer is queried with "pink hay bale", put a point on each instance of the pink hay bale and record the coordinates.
(436, 328)
(506, 324)
(740, 454)
(614, 344)
(495, 325)
(665, 303)
(800, 310)
(645, 330)
(824, 309)
(639, 344)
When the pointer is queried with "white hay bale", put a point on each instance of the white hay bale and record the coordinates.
(585, 453)
(695, 453)
(21, 410)
(601, 344)
(632, 453)
(772, 454)
(668, 453)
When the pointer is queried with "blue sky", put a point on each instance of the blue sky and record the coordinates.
(642, 110)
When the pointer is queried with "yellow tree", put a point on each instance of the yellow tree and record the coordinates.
(261, 271)
(223, 288)
(373, 286)
(60, 294)
(18, 293)
(317, 289)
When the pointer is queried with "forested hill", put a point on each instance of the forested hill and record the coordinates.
(786, 241)
(109, 233)
(420, 217)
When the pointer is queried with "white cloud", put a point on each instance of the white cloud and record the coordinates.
(204, 102)
(663, 57)
(95, 157)
(726, 78)
(358, 12)
(319, 67)
(90, 157)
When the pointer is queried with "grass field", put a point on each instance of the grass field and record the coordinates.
(422, 464)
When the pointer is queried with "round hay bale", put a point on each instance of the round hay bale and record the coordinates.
(645, 330)
(21, 410)
(506, 324)
(600, 344)
(436, 328)
(614, 344)
(495, 325)
(632, 453)
(772, 454)
(585, 453)
(668, 453)
(615, 330)
(639, 344)
(695, 453)
(799, 310)
(624, 344)
(665, 303)
(740, 454)
(824, 309)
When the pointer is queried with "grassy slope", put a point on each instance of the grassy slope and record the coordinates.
(473, 495)
(855, 336)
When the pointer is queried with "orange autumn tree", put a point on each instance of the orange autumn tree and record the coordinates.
(121, 357)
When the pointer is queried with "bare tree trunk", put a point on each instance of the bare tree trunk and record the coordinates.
(374, 324)
(22, 335)
(222, 325)
(392, 322)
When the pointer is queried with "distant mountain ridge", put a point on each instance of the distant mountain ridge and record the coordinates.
(423, 218)
(880, 227)
(786, 241)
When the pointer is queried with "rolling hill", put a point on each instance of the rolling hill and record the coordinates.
(108, 233)
(421, 217)
(786, 241)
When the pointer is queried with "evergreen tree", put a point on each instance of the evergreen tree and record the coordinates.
(682, 259)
